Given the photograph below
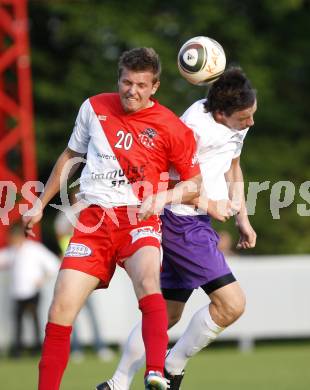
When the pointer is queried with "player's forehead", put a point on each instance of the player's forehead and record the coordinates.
(247, 112)
(134, 76)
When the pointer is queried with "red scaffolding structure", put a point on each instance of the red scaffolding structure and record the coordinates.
(17, 144)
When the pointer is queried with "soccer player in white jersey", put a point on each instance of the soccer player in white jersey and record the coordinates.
(130, 141)
(191, 257)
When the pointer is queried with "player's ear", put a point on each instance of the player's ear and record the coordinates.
(218, 116)
(155, 87)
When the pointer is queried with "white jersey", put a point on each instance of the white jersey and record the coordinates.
(217, 146)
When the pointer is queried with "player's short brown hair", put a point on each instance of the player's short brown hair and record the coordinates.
(230, 93)
(140, 59)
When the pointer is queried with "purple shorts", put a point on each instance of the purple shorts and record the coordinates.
(191, 258)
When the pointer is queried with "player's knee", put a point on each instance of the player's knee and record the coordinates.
(62, 313)
(233, 309)
(147, 286)
(228, 310)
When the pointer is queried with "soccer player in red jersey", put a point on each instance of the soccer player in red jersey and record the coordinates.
(129, 140)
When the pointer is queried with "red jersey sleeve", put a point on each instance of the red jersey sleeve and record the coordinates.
(183, 150)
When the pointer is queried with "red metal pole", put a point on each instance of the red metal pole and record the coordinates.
(16, 111)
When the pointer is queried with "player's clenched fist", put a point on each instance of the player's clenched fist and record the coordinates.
(30, 218)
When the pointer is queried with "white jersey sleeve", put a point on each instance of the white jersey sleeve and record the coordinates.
(80, 136)
(239, 145)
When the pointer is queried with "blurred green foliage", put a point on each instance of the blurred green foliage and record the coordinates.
(75, 48)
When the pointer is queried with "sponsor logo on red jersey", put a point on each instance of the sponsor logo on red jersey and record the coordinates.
(147, 137)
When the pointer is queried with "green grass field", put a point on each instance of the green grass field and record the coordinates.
(269, 367)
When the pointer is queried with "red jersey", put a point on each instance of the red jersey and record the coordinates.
(127, 153)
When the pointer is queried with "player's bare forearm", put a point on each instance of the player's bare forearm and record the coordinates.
(235, 184)
(58, 176)
(182, 192)
(242, 217)
(185, 191)
(55, 181)
(221, 209)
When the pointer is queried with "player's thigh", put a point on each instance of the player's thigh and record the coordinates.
(143, 268)
(229, 296)
(71, 291)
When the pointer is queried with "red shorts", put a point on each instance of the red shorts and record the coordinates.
(106, 237)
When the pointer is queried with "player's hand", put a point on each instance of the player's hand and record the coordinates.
(222, 209)
(153, 204)
(30, 218)
(248, 235)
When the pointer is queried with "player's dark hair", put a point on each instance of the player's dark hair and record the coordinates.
(140, 59)
(230, 93)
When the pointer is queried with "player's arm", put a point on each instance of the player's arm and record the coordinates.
(56, 180)
(235, 183)
(185, 190)
(221, 210)
(182, 192)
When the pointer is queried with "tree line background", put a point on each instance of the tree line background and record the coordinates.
(75, 47)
